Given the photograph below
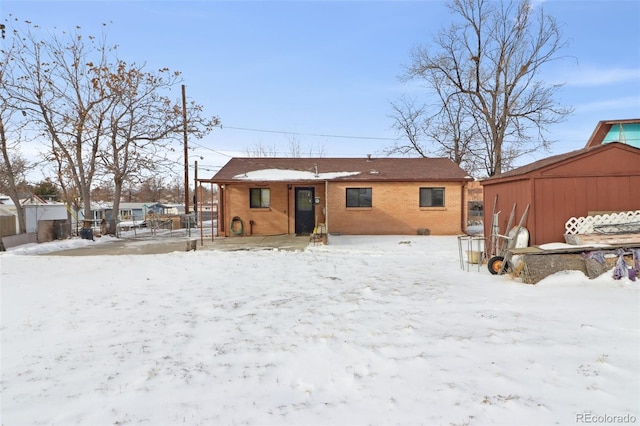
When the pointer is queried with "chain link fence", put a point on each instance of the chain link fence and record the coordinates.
(170, 226)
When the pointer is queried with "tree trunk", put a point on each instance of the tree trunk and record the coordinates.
(86, 204)
(10, 176)
(116, 205)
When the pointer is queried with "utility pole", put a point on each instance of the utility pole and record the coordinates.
(186, 152)
(195, 189)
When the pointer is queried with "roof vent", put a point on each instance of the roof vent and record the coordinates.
(369, 157)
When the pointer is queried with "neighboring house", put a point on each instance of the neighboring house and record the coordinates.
(403, 196)
(5, 200)
(162, 209)
(601, 178)
(98, 211)
(134, 212)
(207, 212)
(623, 131)
(49, 219)
(8, 208)
(8, 222)
(44, 221)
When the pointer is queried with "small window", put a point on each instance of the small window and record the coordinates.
(359, 197)
(431, 197)
(304, 203)
(259, 198)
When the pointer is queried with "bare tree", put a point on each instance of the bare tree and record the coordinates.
(102, 191)
(296, 150)
(260, 150)
(13, 166)
(92, 106)
(174, 190)
(411, 122)
(486, 66)
(151, 189)
(142, 122)
(53, 81)
(443, 134)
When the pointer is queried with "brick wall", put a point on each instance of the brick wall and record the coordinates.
(8, 225)
(277, 219)
(395, 210)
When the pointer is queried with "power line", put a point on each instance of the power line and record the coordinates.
(308, 134)
(222, 127)
(211, 149)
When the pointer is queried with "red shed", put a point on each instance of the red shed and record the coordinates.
(602, 178)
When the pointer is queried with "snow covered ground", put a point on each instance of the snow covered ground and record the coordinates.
(366, 330)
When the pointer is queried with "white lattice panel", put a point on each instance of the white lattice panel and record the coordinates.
(585, 225)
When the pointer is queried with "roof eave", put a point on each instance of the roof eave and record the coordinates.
(342, 179)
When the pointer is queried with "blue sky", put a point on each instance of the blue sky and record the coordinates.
(318, 69)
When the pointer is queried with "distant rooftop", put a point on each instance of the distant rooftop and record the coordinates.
(625, 131)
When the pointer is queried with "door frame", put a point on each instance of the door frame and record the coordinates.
(310, 217)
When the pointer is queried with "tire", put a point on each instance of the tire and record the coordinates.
(495, 264)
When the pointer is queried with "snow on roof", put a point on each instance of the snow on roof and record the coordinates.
(5, 200)
(279, 174)
(343, 169)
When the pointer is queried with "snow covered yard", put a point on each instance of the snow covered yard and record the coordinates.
(366, 330)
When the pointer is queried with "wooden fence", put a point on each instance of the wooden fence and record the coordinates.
(7, 226)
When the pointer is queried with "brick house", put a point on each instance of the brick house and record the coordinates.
(369, 196)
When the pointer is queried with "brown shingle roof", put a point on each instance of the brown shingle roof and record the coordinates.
(360, 169)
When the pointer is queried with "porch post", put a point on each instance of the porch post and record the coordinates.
(326, 207)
